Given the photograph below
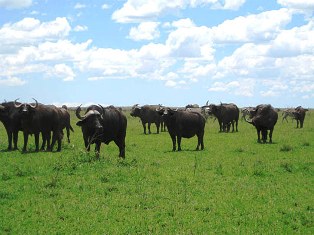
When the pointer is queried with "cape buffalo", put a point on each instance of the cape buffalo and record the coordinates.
(103, 125)
(226, 114)
(65, 121)
(263, 117)
(183, 124)
(10, 118)
(299, 115)
(38, 118)
(147, 114)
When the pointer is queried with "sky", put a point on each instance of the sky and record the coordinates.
(125, 52)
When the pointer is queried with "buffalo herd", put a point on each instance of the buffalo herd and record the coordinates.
(105, 124)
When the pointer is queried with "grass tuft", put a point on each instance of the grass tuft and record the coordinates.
(286, 148)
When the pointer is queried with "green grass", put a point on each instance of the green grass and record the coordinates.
(234, 186)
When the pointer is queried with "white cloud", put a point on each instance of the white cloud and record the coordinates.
(293, 42)
(139, 10)
(144, 31)
(229, 4)
(80, 28)
(170, 83)
(269, 93)
(252, 28)
(243, 87)
(297, 4)
(15, 4)
(95, 78)
(12, 81)
(105, 6)
(64, 72)
(79, 6)
(30, 31)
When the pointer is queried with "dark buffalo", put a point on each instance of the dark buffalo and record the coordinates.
(103, 125)
(38, 118)
(10, 118)
(299, 115)
(65, 121)
(183, 124)
(263, 117)
(226, 114)
(147, 114)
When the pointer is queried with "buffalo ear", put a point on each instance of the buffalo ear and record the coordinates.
(80, 123)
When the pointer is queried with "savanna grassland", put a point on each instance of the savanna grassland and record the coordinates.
(234, 186)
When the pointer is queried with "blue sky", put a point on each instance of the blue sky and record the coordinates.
(173, 53)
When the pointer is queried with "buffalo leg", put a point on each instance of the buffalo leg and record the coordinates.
(86, 143)
(220, 127)
(121, 145)
(97, 148)
(200, 141)
(258, 136)
(157, 126)
(56, 138)
(301, 123)
(236, 125)
(148, 124)
(271, 135)
(144, 127)
(179, 142)
(25, 141)
(44, 137)
(297, 123)
(37, 141)
(68, 134)
(264, 136)
(15, 138)
(232, 122)
(173, 138)
(9, 133)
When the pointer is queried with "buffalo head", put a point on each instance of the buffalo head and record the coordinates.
(26, 108)
(91, 122)
(135, 111)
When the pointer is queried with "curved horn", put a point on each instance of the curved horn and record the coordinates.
(207, 102)
(2, 107)
(77, 112)
(34, 106)
(102, 108)
(17, 105)
(248, 121)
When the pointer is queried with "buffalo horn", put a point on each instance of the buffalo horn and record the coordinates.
(17, 105)
(207, 102)
(1, 107)
(34, 106)
(102, 108)
(248, 121)
(77, 112)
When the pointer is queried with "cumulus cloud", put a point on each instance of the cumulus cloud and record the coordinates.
(105, 6)
(64, 72)
(79, 6)
(138, 10)
(252, 28)
(15, 4)
(30, 31)
(144, 31)
(243, 87)
(80, 28)
(228, 4)
(12, 81)
(297, 4)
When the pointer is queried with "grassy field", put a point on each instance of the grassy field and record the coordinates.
(234, 186)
